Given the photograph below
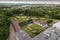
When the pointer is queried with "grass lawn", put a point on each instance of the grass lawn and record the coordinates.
(33, 29)
(44, 20)
(54, 21)
(19, 18)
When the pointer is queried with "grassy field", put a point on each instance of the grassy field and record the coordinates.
(24, 18)
(44, 20)
(19, 18)
(33, 29)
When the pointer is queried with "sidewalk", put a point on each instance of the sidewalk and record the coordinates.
(12, 33)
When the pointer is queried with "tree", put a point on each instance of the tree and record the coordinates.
(49, 21)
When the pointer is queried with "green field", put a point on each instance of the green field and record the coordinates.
(25, 18)
(33, 29)
(19, 18)
(44, 20)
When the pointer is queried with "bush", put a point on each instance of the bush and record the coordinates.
(26, 22)
(49, 21)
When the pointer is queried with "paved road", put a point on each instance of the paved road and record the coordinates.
(12, 33)
(22, 35)
(43, 35)
(46, 35)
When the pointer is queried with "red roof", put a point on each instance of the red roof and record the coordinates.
(16, 26)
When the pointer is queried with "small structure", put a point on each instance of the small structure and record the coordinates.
(57, 25)
(40, 23)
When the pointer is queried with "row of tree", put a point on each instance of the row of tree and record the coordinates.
(39, 12)
(4, 27)
(26, 22)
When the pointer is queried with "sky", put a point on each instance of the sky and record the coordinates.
(31, 2)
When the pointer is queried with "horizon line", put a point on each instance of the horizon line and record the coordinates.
(30, 2)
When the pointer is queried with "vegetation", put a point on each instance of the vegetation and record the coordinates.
(49, 21)
(7, 15)
(33, 29)
(48, 12)
(4, 27)
(26, 22)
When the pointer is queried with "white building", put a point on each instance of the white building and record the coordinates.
(57, 25)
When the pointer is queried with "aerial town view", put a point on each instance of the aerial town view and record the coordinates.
(29, 21)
